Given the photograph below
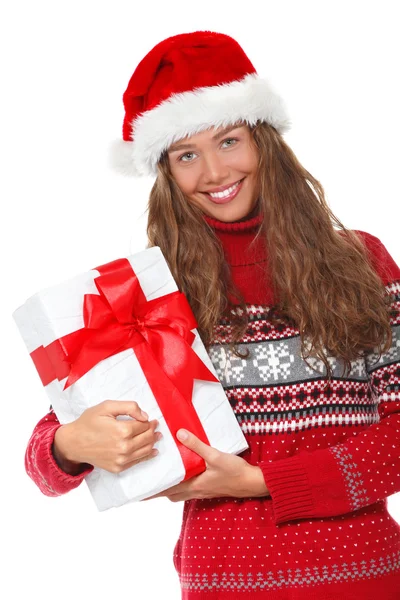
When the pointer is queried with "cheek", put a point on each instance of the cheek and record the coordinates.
(246, 161)
(186, 180)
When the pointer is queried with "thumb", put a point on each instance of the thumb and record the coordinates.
(116, 408)
(193, 443)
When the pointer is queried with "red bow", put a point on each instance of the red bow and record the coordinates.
(159, 331)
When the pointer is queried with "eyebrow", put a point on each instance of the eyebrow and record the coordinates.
(217, 136)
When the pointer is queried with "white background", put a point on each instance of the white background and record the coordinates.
(64, 69)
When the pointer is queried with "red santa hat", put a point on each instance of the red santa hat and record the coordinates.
(186, 84)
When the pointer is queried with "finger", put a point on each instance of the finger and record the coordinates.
(115, 408)
(189, 440)
(181, 497)
(184, 487)
(139, 448)
(131, 429)
(167, 494)
(141, 452)
(128, 430)
(149, 456)
(136, 428)
(136, 443)
(144, 450)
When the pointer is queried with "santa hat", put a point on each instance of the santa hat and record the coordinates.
(186, 84)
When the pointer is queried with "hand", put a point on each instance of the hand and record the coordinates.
(225, 475)
(98, 438)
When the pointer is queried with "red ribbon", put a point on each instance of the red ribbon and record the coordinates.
(159, 331)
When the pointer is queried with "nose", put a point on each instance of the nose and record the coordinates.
(215, 170)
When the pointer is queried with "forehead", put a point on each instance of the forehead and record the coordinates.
(213, 133)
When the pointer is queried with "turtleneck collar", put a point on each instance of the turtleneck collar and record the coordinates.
(249, 264)
(237, 236)
(248, 223)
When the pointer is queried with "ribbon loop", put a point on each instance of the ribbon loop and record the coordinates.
(159, 333)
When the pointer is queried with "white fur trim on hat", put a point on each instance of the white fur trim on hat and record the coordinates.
(251, 99)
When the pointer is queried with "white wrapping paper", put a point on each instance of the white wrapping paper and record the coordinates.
(58, 311)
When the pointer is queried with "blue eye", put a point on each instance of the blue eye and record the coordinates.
(230, 140)
(182, 157)
(186, 154)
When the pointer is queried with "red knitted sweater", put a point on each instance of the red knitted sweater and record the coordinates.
(330, 458)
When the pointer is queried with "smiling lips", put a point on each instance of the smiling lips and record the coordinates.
(226, 195)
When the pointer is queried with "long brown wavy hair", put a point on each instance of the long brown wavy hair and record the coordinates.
(323, 280)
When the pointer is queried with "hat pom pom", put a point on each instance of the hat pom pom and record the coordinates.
(121, 158)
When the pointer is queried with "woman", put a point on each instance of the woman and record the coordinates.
(301, 322)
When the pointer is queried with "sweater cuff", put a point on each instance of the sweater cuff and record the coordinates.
(308, 485)
(288, 484)
(63, 479)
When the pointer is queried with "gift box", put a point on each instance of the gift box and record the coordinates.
(123, 331)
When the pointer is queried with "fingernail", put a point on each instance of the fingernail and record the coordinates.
(182, 435)
(144, 414)
(158, 435)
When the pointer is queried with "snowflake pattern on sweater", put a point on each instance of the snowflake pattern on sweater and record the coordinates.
(274, 391)
(329, 456)
(330, 459)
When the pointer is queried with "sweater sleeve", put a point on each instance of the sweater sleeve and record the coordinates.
(41, 465)
(366, 467)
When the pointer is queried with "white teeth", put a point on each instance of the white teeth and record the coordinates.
(225, 192)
